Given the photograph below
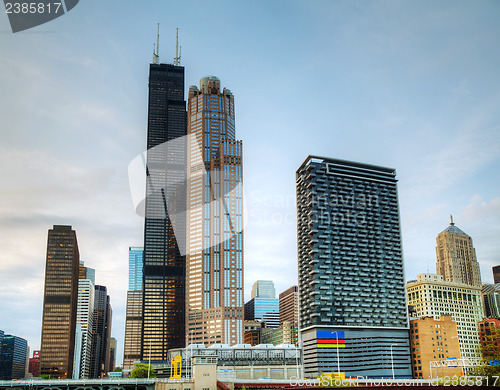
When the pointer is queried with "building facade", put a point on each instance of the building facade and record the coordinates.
(84, 321)
(13, 357)
(489, 335)
(263, 310)
(251, 334)
(431, 296)
(135, 266)
(353, 314)
(263, 289)
(34, 364)
(491, 299)
(433, 340)
(289, 306)
(496, 274)
(133, 326)
(163, 325)
(60, 303)
(214, 300)
(456, 257)
(101, 332)
(284, 334)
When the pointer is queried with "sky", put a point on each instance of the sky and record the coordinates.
(412, 85)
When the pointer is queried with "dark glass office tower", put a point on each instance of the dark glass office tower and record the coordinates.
(164, 233)
(353, 315)
(101, 333)
(60, 303)
(13, 353)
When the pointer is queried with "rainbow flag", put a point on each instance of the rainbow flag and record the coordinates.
(330, 339)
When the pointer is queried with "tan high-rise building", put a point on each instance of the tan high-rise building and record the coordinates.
(456, 257)
(133, 326)
(431, 340)
(289, 306)
(214, 238)
(60, 303)
(431, 296)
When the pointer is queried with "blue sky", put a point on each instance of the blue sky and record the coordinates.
(405, 84)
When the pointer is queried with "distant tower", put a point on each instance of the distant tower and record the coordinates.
(289, 306)
(60, 303)
(456, 257)
(85, 321)
(263, 306)
(133, 320)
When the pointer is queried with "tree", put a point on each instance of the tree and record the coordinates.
(140, 370)
(490, 351)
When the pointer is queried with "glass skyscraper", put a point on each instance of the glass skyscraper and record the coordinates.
(163, 306)
(60, 303)
(351, 279)
(135, 265)
(263, 306)
(13, 353)
(214, 300)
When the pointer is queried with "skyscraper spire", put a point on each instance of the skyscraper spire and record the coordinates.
(177, 58)
(156, 50)
(451, 220)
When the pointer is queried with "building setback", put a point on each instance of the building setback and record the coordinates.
(456, 257)
(433, 340)
(353, 313)
(163, 306)
(431, 296)
(60, 303)
(214, 289)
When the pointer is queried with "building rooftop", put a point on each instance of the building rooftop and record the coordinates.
(453, 229)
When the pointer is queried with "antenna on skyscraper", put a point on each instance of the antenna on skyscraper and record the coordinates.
(451, 219)
(177, 58)
(156, 56)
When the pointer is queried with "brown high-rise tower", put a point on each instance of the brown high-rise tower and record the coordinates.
(456, 257)
(60, 303)
(214, 240)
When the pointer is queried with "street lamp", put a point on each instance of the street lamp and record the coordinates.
(392, 362)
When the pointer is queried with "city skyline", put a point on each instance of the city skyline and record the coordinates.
(418, 80)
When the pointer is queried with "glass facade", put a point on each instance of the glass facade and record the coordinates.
(263, 289)
(263, 310)
(13, 355)
(135, 265)
(214, 301)
(351, 267)
(60, 303)
(164, 263)
(101, 332)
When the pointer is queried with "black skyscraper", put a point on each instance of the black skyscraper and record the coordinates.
(164, 260)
